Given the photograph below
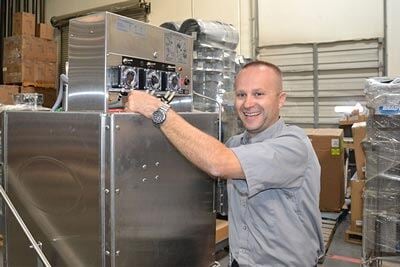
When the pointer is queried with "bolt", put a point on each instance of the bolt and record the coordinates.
(106, 191)
(156, 177)
(117, 127)
(117, 253)
(157, 164)
(117, 191)
(144, 179)
(144, 166)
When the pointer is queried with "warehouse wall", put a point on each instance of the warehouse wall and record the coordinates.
(281, 22)
(393, 38)
(305, 21)
(235, 12)
(61, 7)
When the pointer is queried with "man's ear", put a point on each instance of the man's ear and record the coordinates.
(282, 99)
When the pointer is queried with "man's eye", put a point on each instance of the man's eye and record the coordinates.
(239, 95)
(259, 94)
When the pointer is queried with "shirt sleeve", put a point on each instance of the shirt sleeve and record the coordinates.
(273, 163)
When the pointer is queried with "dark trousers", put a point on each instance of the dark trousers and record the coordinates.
(234, 263)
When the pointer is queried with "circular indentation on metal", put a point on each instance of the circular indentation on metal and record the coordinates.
(49, 185)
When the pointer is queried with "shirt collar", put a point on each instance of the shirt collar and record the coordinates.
(266, 134)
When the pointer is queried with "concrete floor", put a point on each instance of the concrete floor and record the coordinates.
(340, 253)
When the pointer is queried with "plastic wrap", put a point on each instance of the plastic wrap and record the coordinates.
(212, 32)
(381, 228)
(214, 67)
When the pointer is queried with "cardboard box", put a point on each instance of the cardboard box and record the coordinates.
(50, 51)
(7, 93)
(328, 145)
(45, 74)
(44, 31)
(49, 94)
(19, 48)
(39, 72)
(19, 72)
(23, 24)
(358, 131)
(349, 120)
(357, 203)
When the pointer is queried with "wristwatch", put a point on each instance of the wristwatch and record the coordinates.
(160, 115)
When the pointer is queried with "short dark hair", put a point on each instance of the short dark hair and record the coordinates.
(264, 63)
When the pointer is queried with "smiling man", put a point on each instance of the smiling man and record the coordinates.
(273, 173)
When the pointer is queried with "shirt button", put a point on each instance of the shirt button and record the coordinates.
(241, 250)
(245, 227)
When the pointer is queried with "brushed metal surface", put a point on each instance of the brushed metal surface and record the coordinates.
(163, 204)
(86, 50)
(53, 178)
(99, 41)
(105, 190)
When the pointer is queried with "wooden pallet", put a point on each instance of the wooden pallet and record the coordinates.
(328, 229)
(221, 230)
(353, 237)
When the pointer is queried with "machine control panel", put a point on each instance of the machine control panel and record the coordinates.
(135, 73)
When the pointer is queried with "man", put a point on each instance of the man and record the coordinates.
(273, 172)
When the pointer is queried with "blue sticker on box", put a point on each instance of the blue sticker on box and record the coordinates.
(388, 110)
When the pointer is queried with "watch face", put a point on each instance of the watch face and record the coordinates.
(158, 117)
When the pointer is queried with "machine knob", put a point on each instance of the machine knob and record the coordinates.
(186, 81)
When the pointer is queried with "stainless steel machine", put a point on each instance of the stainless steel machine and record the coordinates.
(98, 187)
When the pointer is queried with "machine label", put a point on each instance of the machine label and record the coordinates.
(130, 27)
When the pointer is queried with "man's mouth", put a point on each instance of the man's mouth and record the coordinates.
(251, 114)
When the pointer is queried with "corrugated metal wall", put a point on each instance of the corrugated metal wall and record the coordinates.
(320, 76)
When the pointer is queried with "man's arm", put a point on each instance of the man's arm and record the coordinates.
(204, 151)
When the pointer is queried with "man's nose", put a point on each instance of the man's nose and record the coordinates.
(248, 102)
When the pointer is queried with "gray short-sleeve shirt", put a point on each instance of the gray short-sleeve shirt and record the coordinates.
(274, 217)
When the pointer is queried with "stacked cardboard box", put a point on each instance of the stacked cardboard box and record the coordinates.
(29, 60)
(328, 145)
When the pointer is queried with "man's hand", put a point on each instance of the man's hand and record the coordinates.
(142, 102)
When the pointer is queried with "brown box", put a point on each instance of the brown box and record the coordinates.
(19, 48)
(50, 51)
(23, 24)
(328, 145)
(358, 132)
(357, 202)
(44, 31)
(7, 93)
(39, 72)
(349, 120)
(49, 94)
(50, 73)
(45, 74)
(19, 72)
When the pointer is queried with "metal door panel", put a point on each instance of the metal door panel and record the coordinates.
(52, 174)
(163, 204)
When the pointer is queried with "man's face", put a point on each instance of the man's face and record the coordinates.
(259, 98)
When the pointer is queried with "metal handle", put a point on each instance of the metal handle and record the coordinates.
(24, 228)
